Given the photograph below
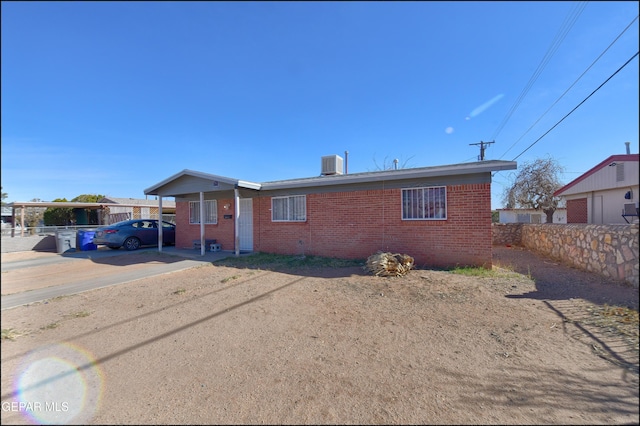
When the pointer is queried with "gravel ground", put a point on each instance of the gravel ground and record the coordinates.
(532, 342)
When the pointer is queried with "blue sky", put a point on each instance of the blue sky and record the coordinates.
(113, 97)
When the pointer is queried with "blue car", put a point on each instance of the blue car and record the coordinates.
(133, 234)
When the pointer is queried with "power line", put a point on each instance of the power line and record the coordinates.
(570, 87)
(559, 38)
(577, 106)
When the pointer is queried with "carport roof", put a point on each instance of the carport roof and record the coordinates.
(70, 204)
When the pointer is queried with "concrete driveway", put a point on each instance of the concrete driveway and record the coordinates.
(29, 277)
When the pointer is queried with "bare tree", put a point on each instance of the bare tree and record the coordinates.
(534, 185)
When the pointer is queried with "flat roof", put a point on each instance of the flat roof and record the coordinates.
(77, 205)
(485, 166)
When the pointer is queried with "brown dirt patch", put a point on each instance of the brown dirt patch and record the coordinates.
(530, 344)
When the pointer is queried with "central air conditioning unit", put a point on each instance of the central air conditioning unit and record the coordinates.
(331, 165)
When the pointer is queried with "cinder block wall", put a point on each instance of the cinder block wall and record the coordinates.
(357, 224)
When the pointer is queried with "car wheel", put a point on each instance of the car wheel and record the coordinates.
(132, 243)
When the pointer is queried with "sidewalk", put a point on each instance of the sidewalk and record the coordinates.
(101, 252)
(30, 277)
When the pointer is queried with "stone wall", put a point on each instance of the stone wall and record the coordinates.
(609, 250)
(506, 234)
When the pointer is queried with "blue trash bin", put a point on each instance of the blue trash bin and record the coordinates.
(85, 240)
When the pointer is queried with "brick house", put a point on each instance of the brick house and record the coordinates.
(602, 194)
(440, 215)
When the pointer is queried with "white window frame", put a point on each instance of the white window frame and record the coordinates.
(425, 203)
(292, 208)
(210, 212)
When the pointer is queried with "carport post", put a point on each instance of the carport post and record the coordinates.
(160, 223)
(236, 193)
(202, 247)
(13, 221)
(21, 221)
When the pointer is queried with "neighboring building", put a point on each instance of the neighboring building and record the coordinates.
(6, 215)
(599, 196)
(439, 215)
(7, 220)
(134, 208)
(530, 216)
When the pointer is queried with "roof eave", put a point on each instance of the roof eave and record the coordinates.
(594, 169)
(156, 189)
(389, 175)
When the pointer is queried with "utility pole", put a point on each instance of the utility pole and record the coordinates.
(483, 146)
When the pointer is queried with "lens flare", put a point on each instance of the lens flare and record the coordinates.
(59, 384)
(485, 106)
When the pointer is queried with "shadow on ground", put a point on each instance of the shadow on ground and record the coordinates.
(555, 281)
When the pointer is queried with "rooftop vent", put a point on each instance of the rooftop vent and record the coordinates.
(331, 165)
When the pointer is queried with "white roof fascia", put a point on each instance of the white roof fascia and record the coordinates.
(248, 185)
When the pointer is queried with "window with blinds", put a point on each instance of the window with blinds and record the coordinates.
(210, 212)
(289, 209)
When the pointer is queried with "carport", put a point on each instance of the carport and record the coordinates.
(62, 204)
(56, 205)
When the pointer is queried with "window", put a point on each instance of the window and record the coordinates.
(210, 212)
(424, 203)
(536, 218)
(289, 209)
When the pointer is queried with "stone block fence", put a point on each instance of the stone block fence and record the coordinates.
(609, 250)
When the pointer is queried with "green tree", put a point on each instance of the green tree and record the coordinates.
(533, 187)
(4, 195)
(61, 216)
(58, 216)
(91, 215)
(88, 198)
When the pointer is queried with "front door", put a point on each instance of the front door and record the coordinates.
(245, 224)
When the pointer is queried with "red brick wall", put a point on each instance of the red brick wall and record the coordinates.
(577, 211)
(357, 224)
(223, 231)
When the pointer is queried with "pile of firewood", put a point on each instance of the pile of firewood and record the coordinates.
(389, 264)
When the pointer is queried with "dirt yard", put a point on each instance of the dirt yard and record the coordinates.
(532, 342)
